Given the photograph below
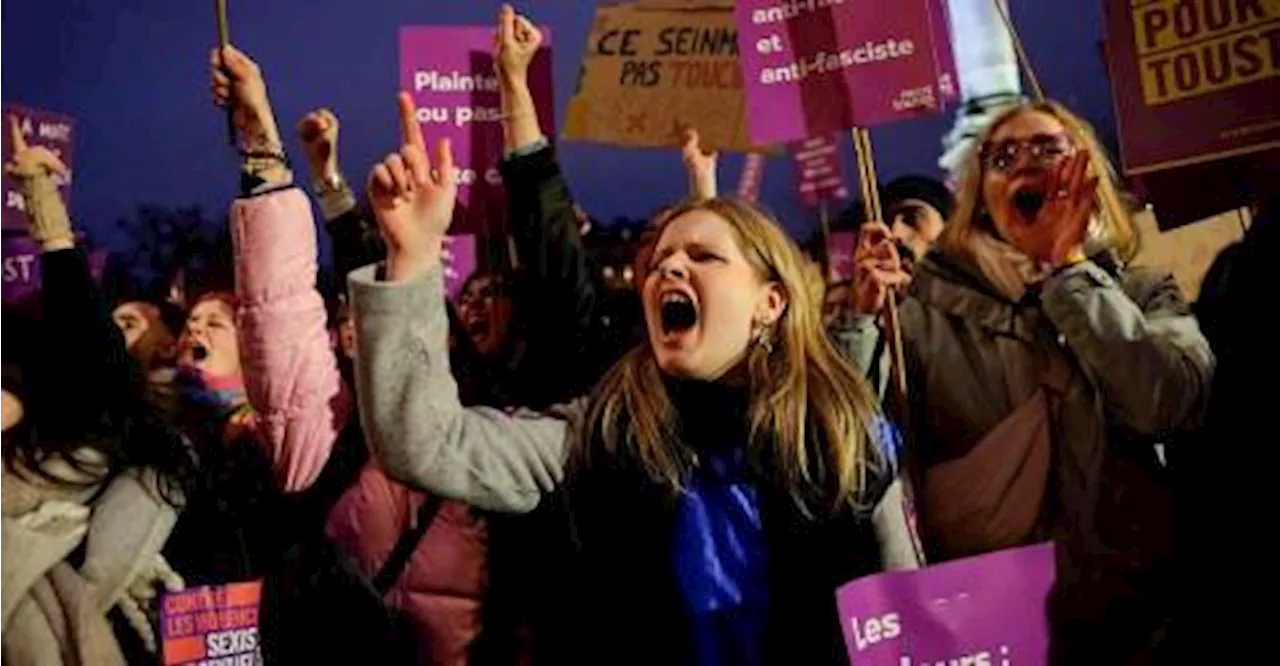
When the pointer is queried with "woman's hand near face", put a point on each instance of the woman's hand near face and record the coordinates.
(877, 269)
(1057, 235)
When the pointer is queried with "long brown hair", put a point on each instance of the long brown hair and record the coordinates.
(969, 215)
(809, 412)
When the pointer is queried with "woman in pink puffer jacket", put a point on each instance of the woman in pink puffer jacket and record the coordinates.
(294, 384)
(288, 361)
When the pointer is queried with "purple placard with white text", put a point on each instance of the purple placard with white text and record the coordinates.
(752, 177)
(21, 267)
(449, 71)
(819, 173)
(944, 56)
(817, 68)
(41, 128)
(988, 609)
(460, 261)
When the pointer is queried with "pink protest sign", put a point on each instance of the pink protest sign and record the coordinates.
(988, 609)
(460, 260)
(819, 173)
(41, 128)
(215, 624)
(752, 176)
(820, 67)
(449, 71)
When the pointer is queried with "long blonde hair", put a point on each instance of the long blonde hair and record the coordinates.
(809, 412)
(1112, 211)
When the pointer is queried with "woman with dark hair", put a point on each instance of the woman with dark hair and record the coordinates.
(93, 477)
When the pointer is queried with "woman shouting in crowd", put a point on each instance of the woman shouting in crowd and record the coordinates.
(721, 483)
(1041, 372)
(93, 475)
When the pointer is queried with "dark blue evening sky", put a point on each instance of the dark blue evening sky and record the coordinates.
(134, 75)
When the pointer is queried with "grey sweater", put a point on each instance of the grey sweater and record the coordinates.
(497, 461)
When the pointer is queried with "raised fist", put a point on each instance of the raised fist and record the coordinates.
(318, 131)
(516, 43)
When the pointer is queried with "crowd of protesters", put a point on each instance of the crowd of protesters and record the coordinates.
(522, 476)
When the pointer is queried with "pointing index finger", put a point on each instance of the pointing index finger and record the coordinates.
(409, 130)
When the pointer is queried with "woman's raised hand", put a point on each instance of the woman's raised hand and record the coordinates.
(318, 132)
(31, 161)
(38, 171)
(516, 42)
(413, 201)
(238, 84)
(700, 165)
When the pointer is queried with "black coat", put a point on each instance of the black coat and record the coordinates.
(618, 600)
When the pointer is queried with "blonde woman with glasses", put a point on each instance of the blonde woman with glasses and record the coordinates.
(1042, 369)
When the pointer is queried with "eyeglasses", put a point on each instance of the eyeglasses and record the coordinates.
(1045, 150)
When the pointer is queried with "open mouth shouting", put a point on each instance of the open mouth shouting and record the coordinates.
(478, 329)
(1028, 201)
(678, 312)
(194, 352)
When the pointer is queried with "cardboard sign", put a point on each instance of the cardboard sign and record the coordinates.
(41, 128)
(988, 609)
(649, 73)
(450, 73)
(214, 625)
(1188, 251)
(819, 173)
(1193, 80)
(817, 68)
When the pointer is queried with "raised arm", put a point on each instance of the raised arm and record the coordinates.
(88, 358)
(355, 236)
(1153, 364)
(415, 424)
(557, 291)
(290, 368)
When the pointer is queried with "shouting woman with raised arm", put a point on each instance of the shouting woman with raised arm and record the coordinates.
(724, 479)
(1042, 370)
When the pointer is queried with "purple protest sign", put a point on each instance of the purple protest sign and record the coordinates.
(944, 57)
(988, 609)
(821, 67)
(752, 177)
(819, 174)
(460, 261)
(41, 128)
(449, 71)
(21, 267)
